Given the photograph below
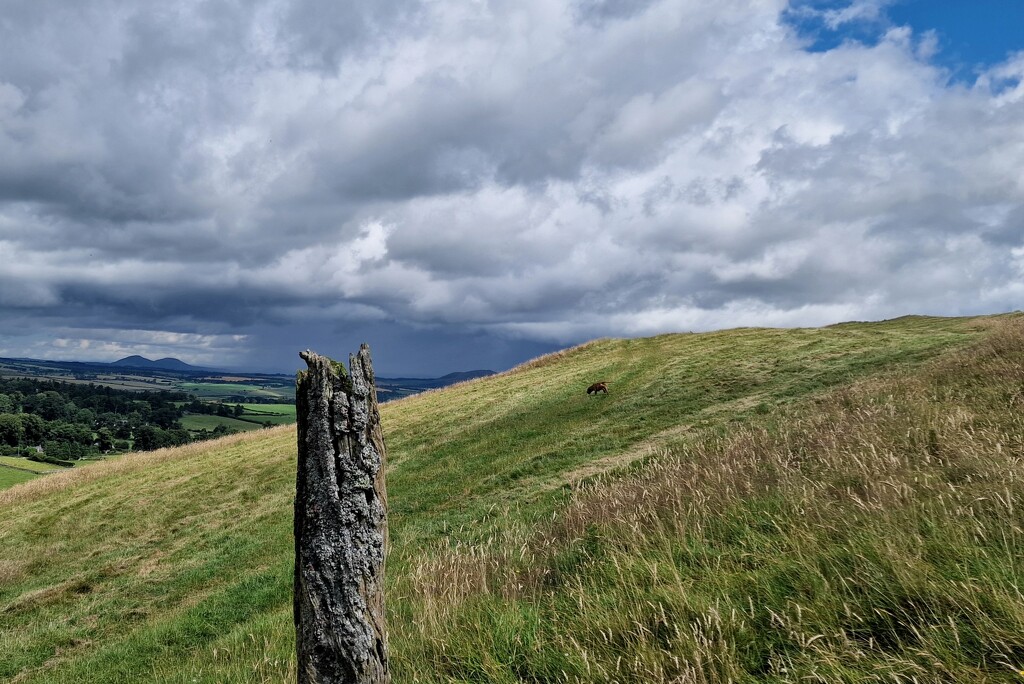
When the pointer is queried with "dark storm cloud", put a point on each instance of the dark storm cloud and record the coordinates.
(482, 181)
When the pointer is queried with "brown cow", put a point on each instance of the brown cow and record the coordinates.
(598, 387)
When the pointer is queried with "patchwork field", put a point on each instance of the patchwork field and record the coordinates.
(255, 417)
(204, 422)
(226, 390)
(834, 505)
(204, 384)
(278, 414)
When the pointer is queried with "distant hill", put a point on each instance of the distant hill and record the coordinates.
(167, 363)
(466, 375)
(396, 388)
(171, 372)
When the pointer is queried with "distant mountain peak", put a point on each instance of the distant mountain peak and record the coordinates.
(129, 360)
(166, 363)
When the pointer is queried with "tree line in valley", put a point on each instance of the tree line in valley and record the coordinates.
(57, 421)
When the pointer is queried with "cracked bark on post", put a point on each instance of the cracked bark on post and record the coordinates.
(340, 524)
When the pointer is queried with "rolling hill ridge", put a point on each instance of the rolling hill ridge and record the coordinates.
(166, 363)
(751, 504)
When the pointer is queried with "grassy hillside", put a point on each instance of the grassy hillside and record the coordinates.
(837, 504)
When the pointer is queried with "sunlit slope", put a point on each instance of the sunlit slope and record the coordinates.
(514, 438)
(107, 571)
(176, 566)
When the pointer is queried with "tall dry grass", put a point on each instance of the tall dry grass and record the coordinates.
(874, 534)
(128, 463)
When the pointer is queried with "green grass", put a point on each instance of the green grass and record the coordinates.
(278, 414)
(254, 418)
(10, 477)
(26, 464)
(516, 439)
(13, 470)
(205, 422)
(837, 504)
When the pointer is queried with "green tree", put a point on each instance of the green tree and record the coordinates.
(85, 417)
(6, 404)
(149, 437)
(11, 431)
(105, 439)
(165, 417)
(50, 405)
(177, 437)
(59, 431)
(34, 426)
(108, 419)
(66, 451)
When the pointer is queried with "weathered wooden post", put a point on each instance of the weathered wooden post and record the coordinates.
(341, 531)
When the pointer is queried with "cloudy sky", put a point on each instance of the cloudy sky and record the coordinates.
(469, 183)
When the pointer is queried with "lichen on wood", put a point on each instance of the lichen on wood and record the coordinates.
(340, 524)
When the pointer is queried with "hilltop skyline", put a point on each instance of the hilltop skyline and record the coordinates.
(469, 185)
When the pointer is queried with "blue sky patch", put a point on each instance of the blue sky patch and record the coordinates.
(972, 35)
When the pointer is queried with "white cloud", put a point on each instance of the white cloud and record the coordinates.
(535, 169)
(858, 10)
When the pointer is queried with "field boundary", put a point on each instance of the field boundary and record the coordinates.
(33, 472)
